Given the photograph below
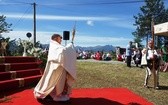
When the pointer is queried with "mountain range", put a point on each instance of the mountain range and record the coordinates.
(105, 48)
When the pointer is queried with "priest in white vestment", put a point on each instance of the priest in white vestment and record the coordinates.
(60, 71)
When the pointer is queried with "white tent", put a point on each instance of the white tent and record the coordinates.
(161, 29)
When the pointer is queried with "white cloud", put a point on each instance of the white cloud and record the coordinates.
(117, 21)
(90, 23)
(55, 17)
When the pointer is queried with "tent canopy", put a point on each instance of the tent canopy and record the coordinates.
(161, 29)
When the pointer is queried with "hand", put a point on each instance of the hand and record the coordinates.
(154, 57)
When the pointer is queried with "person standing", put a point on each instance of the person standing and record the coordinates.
(164, 53)
(164, 50)
(137, 57)
(59, 73)
(129, 51)
(152, 56)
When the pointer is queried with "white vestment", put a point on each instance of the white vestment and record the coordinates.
(61, 60)
(144, 58)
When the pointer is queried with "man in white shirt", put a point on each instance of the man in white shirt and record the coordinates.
(151, 56)
(129, 51)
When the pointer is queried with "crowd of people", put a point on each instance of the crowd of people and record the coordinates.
(106, 56)
(135, 55)
(132, 55)
(152, 58)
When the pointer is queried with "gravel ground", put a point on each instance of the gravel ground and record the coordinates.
(93, 60)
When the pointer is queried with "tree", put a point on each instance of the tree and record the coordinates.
(4, 26)
(153, 9)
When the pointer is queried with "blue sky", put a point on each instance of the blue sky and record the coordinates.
(98, 22)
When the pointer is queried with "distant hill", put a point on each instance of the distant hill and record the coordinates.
(105, 48)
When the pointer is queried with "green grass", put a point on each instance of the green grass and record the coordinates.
(101, 75)
(105, 75)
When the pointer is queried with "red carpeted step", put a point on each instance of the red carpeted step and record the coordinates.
(31, 80)
(18, 71)
(16, 59)
(5, 76)
(27, 73)
(9, 85)
(18, 83)
(18, 66)
(19, 74)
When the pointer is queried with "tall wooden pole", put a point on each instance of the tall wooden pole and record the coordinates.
(34, 23)
(153, 62)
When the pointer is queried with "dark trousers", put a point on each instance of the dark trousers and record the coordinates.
(129, 61)
(149, 72)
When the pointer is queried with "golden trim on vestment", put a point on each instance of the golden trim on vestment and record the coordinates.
(13, 74)
(2, 59)
(21, 82)
(7, 66)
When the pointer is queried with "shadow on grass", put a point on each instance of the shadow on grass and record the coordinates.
(160, 87)
(163, 87)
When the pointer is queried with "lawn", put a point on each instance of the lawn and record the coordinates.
(100, 75)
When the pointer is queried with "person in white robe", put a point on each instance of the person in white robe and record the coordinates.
(60, 71)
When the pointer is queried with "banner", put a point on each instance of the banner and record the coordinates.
(161, 29)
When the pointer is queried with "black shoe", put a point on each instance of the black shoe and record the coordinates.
(64, 102)
(146, 86)
(40, 100)
(48, 98)
(45, 100)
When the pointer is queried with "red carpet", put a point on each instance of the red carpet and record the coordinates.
(100, 96)
(18, 71)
